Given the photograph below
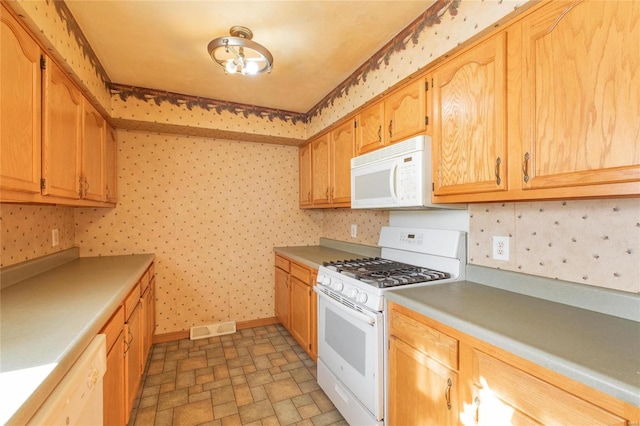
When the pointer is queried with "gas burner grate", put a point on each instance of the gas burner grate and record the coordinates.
(385, 273)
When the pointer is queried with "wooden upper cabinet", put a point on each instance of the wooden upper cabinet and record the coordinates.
(369, 129)
(581, 94)
(342, 140)
(62, 134)
(469, 120)
(398, 116)
(93, 154)
(19, 107)
(111, 165)
(404, 111)
(320, 170)
(305, 175)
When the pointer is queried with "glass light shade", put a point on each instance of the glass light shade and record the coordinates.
(237, 53)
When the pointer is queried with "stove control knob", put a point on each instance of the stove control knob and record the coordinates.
(352, 293)
(337, 285)
(361, 297)
(325, 280)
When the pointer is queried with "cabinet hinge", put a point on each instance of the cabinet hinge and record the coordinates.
(426, 86)
(426, 120)
(355, 124)
(433, 186)
(43, 62)
(43, 183)
(431, 83)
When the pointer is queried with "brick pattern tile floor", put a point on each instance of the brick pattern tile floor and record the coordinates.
(258, 376)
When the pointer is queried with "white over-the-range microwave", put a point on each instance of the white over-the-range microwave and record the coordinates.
(397, 177)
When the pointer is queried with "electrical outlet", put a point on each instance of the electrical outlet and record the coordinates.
(354, 230)
(54, 237)
(501, 248)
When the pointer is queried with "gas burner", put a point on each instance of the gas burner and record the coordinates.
(384, 273)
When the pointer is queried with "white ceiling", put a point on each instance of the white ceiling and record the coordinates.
(316, 44)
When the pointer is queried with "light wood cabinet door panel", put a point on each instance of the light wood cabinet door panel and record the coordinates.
(111, 165)
(469, 120)
(581, 91)
(19, 107)
(320, 170)
(93, 154)
(305, 175)
(342, 150)
(505, 393)
(300, 310)
(404, 111)
(133, 356)
(421, 390)
(113, 385)
(282, 297)
(370, 135)
(62, 134)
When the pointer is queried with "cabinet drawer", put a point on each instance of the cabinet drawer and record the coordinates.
(424, 338)
(131, 301)
(114, 327)
(152, 271)
(500, 388)
(282, 263)
(144, 282)
(301, 272)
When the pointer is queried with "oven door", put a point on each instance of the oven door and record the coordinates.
(350, 345)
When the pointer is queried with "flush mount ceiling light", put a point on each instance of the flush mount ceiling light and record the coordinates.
(237, 53)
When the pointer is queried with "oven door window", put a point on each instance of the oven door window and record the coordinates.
(350, 345)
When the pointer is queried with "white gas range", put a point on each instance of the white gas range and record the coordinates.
(352, 317)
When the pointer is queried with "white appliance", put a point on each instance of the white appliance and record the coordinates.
(352, 313)
(397, 177)
(77, 400)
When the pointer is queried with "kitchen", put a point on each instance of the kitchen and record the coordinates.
(205, 273)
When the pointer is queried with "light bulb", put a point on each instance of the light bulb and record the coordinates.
(251, 68)
(231, 66)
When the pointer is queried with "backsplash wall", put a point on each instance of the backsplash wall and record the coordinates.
(594, 242)
(26, 231)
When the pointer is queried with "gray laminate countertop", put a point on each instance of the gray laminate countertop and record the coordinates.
(327, 251)
(599, 350)
(48, 320)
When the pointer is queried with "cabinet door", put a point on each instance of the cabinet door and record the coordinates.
(61, 139)
(93, 134)
(320, 170)
(133, 370)
(342, 144)
(111, 165)
(300, 311)
(421, 390)
(404, 111)
(505, 393)
(469, 120)
(305, 175)
(369, 134)
(580, 94)
(19, 107)
(113, 385)
(282, 297)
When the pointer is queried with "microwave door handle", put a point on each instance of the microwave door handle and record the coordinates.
(392, 181)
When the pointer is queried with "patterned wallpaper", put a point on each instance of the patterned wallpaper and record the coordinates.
(26, 231)
(211, 211)
(336, 225)
(595, 242)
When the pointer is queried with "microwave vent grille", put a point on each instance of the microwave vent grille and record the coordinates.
(414, 144)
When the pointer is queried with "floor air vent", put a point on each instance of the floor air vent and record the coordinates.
(212, 330)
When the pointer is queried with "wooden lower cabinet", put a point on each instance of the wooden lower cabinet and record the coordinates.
(129, 335)
(441, 376)
(296, 302)
(113, 380)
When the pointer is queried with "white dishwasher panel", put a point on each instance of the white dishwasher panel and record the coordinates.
(77, 400)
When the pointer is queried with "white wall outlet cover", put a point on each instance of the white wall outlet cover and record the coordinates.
(54, 237)
(501, 248)
(354, 230)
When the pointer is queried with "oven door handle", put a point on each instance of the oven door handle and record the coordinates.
(369, 319)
